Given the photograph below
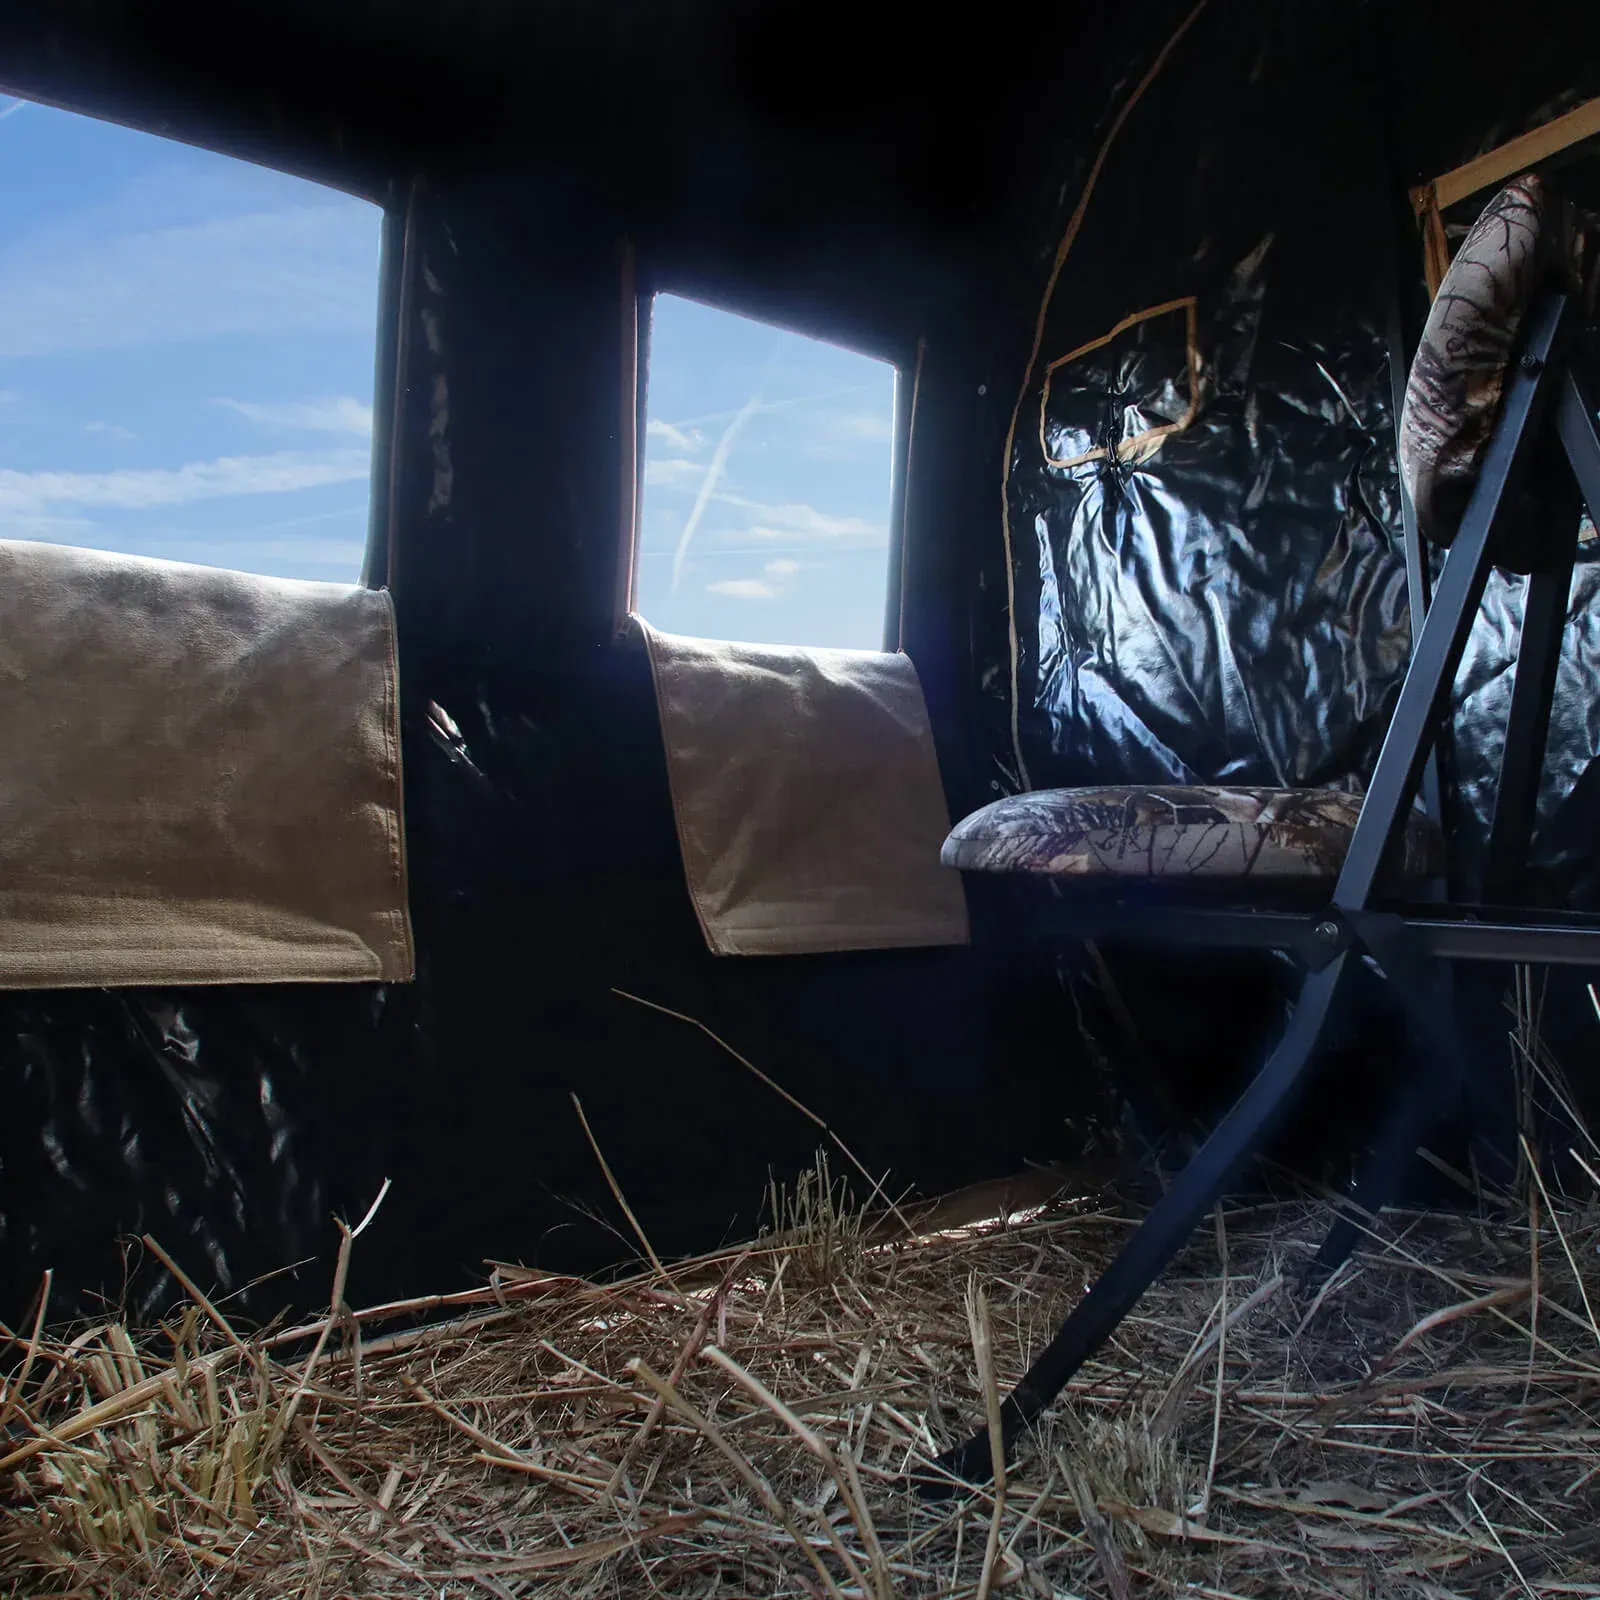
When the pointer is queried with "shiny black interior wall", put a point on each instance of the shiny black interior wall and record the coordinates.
(1232, 609)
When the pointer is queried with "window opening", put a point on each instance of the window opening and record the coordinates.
(767, 484)
(187, 347)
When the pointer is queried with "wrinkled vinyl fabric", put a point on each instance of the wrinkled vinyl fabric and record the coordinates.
(1232, 609)
(1203, 503)
(1566, 842)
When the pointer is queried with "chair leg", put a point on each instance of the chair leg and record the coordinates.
(1580, 435)
(1159, 1238)
(1378, 1179)
(1448, 1055)
(1544, 619)
(1445, 1060)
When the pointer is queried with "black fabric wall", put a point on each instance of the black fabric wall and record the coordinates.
(1234, 608)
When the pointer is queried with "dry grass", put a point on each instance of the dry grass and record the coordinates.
(744, 1425)
(747, 1424)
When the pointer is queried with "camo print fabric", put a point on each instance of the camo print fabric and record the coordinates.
(1175, 832)
(1458, 376)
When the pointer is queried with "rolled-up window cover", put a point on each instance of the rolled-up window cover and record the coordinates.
(807, 795)
(200, 780)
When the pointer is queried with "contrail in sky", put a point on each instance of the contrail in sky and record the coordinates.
(708, 484)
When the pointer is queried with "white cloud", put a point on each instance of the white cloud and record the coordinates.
(778, 572)
(305, 268)
(845, 435)
(341, 414)
(801, 521)
(9, 107)
(112, 430)
(34, 494)
(743, 589)
(868, 425)
(671, 472)
(678, 438)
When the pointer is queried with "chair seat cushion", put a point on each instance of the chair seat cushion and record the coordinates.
(1175, 832)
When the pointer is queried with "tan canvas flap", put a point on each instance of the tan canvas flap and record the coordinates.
(807, 795)
(200, 779)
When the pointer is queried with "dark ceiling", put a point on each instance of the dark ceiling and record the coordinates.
(845, 165)
(773, 121)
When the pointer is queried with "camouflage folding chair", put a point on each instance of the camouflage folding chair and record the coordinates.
(1498, 449)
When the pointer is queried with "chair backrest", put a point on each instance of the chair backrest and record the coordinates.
(1523, 243)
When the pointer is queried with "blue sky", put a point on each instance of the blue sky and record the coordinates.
(186, 351)
(765, 512)
(186, 371)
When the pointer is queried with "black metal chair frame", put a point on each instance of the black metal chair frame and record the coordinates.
(1546, 399)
